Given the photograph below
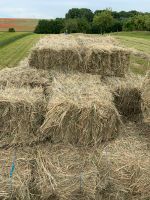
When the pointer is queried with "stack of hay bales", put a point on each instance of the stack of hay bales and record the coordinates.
(73, 113)
(146, 97)
(22, 112)
(72, 144)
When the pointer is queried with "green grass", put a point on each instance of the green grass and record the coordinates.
(19, 47)
(139, 41)
(139, 65)
(8, 38)
(143, 35)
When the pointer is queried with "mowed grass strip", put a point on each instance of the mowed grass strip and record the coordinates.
(139, 41)
(137, 34)
(7, 38)
(11, 54)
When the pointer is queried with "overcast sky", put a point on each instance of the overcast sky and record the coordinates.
(58, 8)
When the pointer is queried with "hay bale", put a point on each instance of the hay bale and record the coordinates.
(18, 185)
(125, 163)
(127, 95)
(65, 172)
(21, 114)
(22, 76)
(70, 53)
(80, 111)
(48, 172)
(107, 60)
(56, 52)
(146, 97)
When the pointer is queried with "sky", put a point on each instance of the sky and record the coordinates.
(57, 8)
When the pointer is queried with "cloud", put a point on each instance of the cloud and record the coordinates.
(58, 8)
(20, 12)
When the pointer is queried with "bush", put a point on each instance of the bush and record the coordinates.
(50, 26)
(11, 30)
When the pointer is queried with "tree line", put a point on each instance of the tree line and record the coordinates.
(101, 21)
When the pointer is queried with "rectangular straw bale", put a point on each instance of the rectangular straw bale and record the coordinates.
(146, 97)
(104, 56)
(21, 114)
(124, 167)
(16, 174)
(70, 53)
(106, 59)
(56, 172)
(127, 95)
(23, 75)
(56, 51)
(80, 111)
(65, 172)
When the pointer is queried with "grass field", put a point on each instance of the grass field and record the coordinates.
(18, 24)
(139, 41)
(16, 46)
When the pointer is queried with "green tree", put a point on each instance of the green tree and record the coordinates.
(84, 26)
(139, 22)
(98, 12)
(42, 27)
(147, 22)
(71, 26)
(117, 25)
(57, 25)
(103, 22)
(80, 13)
(129, 25)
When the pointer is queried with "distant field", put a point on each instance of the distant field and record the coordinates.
(18, 24)
(16, 46)
(139, 41)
